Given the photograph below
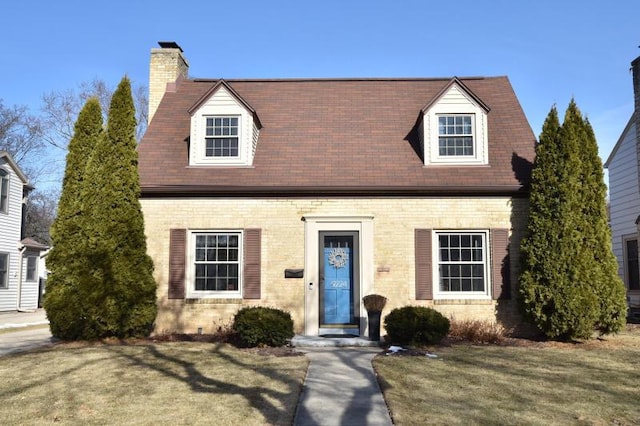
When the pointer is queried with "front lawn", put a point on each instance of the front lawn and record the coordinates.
(149, 383)
(593, 383)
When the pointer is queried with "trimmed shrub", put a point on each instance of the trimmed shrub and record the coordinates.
(262, 326)
(416, 325)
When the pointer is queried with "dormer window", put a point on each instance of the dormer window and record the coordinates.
(454, 128)
(224, 129)
(455, 135)
(221, 136)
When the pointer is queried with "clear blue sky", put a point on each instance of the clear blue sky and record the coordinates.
(550, 50)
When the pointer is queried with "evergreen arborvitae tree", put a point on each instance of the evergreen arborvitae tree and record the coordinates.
(66, 261)
(567, 286)
(123, 296)
(610, 290)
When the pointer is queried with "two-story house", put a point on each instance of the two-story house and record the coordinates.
(308, 194)
(19, 258)
(624, 199)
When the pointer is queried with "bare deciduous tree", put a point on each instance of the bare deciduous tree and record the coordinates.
(40, 211)
(21, 136)
(60, 109)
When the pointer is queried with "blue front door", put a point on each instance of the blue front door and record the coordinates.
(337, 259)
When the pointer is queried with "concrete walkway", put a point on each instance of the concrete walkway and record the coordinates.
(341, 389)
(23, 331)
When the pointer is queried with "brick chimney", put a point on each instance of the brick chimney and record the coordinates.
(635, 68)
(167, 65)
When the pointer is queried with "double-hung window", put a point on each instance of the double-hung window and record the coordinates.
(221, 136)
(4, 191)
(216, 263)
(455, 135)
(4, 270)
(462, 264)
(32, 268)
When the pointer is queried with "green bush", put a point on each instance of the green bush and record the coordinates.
(262, 326)
(416, 325)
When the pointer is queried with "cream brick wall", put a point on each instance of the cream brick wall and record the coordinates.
(283, 247)
(165, 66)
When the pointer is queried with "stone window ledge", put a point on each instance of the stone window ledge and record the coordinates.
(213, 301)
(462, 302)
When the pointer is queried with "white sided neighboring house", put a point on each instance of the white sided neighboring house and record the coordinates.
(624, 190)
(19, 258)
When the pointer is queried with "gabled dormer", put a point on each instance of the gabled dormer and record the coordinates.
(454, 127)
(224, 129)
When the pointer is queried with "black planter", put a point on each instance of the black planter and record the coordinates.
(374, 325)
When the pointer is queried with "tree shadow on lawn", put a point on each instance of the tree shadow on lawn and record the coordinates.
(519, 373)
(257, 396)
(45, 380)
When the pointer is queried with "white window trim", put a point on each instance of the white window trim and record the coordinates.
(35, 268)
(191, 292)
(454, 295)
(198, 157)
(431, 134)
(5, 285)
(201, 155)
(457, 158)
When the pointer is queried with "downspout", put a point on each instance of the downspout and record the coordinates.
(20, 262)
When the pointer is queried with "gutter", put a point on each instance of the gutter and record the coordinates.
(20, 262)
(315, 191)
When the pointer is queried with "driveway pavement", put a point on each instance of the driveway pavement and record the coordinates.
(23, 331)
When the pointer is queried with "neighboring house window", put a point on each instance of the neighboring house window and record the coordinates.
(4, 191)
(455, 135)
(632, 270)
(221, 137)
(462, 264)
(32, 268)
(216, 264)
(4, 270)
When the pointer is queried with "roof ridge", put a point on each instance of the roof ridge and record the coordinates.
(336, 79)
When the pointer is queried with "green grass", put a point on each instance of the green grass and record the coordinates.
(592, 383)
(165, 383)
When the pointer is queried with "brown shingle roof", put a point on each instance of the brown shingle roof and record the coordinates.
(337, 137)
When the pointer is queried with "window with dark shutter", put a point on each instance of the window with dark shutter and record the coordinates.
(501, 268)
(252, 258)
(177, 256)
(424, 272)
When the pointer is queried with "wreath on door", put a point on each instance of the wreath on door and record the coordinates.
(338, 257)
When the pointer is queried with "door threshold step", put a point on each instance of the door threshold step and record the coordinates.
(299, 341)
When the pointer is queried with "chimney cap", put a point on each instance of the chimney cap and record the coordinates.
(169, 45)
